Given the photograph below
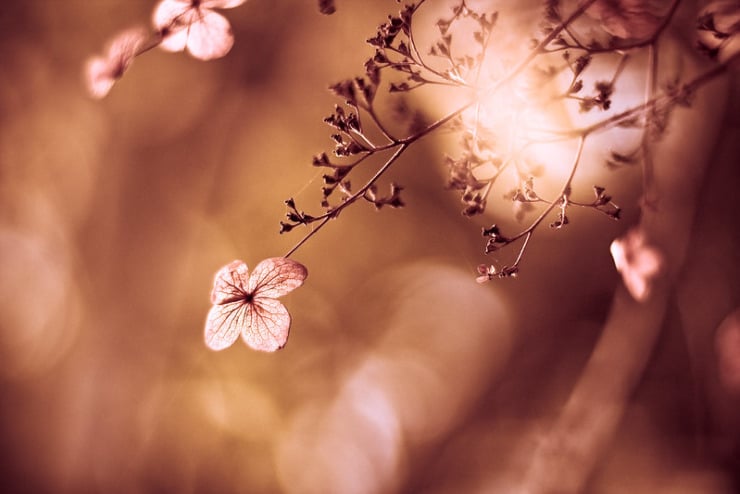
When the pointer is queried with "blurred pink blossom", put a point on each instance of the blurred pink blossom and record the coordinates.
(192, 24)
(248, 304)
(101, 72)
(638, 263)
(629, 19)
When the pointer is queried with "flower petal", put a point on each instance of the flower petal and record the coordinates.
(276, 276)
(170, 12)
(223, 324)
(727, 347)
(637, 262)
(230, 283)
(267, 325)
(175, 40)
(210, 37)
(98, 78)
(221, 4)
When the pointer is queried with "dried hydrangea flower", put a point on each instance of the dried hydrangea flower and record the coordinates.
(247, 304)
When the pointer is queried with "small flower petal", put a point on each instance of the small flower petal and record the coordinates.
(267, 325)
(210, 37)
(221, 4)
(98, 77)
(171, 12)
(638, 263)
(230, 283)
(274, 277)
(176, 39)
(224, 323)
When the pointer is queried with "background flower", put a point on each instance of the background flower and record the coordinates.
(638, 263)
(191, 25)
(102, 72)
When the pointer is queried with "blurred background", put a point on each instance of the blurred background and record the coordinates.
(401, 373)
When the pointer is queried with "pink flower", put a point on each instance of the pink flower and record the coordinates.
(639, 263)
(102, 72)
(192, 24)
(248, 304)
(726, 15)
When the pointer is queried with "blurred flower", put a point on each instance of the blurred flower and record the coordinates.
(630, 19)
(248, 304)
(102, 72)
(638, 263)
(192, 24)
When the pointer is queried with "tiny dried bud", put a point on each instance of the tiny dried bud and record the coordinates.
(327, 7)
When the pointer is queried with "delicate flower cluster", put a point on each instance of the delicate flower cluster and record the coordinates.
(190, 25)
(195, 26)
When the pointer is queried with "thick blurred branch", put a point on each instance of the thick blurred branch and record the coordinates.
(565, 459)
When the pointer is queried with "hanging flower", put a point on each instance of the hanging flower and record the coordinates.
(247, 304)
(193, 25)
(101, 72)
(638, 263)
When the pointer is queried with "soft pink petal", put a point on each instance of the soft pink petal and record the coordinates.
(230, 283)
(267, 325)
(727, 342)
(125, 45)
(274, 277)
(170, 12)
(175, 40)
(98, 77)
(102, 72)
(210, 37)
(221, 4)
(638, 263)
(224, 323)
